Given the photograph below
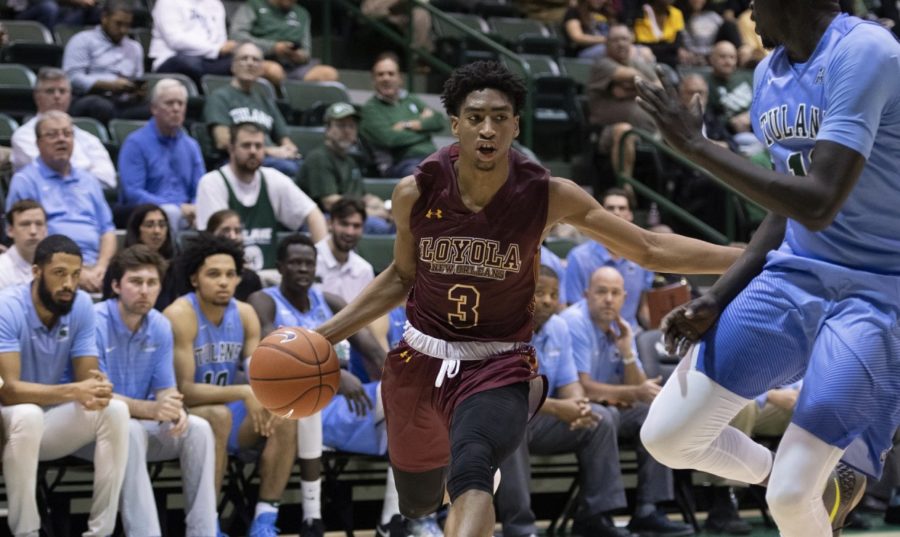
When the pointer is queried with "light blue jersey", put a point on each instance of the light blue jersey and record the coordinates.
(848, 92)
(553, 345)
(287, 315)
(396, 326)
(217, 349)
(45, 354)
(594, 350)
(139, 363)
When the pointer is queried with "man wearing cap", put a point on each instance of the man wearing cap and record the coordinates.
(330, 172)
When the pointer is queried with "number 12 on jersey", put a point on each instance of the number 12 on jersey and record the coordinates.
(467, 298)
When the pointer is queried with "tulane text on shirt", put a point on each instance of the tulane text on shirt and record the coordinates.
(469, 256)
(777, 125)
(247, 115)
(222, 352)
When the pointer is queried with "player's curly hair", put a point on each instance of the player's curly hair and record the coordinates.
(478, 76)
(204, 245)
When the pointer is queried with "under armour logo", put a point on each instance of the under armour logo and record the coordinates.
(406, 355)
(437, 213)
(820, 77)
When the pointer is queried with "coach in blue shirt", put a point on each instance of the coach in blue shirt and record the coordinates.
(71, 197)
(610, 373)
(159, 163)
(566, 423)
(135, 344)
(46, 337)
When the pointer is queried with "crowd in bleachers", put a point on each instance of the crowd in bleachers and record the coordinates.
(163, 157)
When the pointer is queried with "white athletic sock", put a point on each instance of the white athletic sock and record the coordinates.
(391, 505)
(265, 507)
(312, 498)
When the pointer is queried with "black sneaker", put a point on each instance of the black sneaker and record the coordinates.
(598, 526)
(312, 527)
(394, 528)
(727, 526)
(844, 490)
(723, 514)
(657, 524)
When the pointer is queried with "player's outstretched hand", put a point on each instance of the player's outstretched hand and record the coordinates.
(352, 389)
(680, 125)
(684, 325)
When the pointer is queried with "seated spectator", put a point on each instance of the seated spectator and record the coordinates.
(566, 423)
(396, 12)
(190, 37)
(213, 335)
(396, 124)
(585, 27)
(53, 92)
(242, 101)
(106, 67)
(281, 28)
(266, 200)
(329, 172)
(730, 89)
(71, 197)
(135, 345)
(149, 225)
(704, 27)
(227, 223)
(610, 373)
(26, 227)
(661, 28)
(53, 12)
(342, 271)
(55, 398)
(583, 260)
(611, 96)
(160, 163)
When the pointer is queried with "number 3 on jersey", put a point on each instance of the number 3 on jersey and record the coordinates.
(467, 299)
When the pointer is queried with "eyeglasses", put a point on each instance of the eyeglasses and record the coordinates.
(150, 225)
(53, 135)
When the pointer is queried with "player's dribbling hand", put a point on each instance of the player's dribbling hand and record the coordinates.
(680, 125)
(352, 389)
(686, 324)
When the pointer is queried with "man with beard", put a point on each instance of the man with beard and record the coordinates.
(296, 303)
(611, 375)
(266, 200)
(71, 197)
(213, 335)
(47, 337)
(135, 345)
(815, 294)
(342, 271)
(26, 226)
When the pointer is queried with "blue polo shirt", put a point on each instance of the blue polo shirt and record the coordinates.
(45, 354)
(554, 352)
(585, 258)
(138, 363)
(159, 169)
(552, 261)
(594, 350)
(74, 204)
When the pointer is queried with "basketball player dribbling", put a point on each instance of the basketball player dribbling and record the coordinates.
(817, 293)
(460, 387)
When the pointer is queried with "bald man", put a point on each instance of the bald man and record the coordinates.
(730, 89)
(611, 375)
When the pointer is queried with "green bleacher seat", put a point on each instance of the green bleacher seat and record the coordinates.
(32, 55)
(309, 99)
(559, 246)
(15, 75)
(63, 32)
(377, 249)
(16, 90)
(306, 138)
(577, 69)
(539, 64)
(92, 126)
(8, 125)
(211, 156)
(119, 129)
(27, 32)
(153, 78)
(377, 186)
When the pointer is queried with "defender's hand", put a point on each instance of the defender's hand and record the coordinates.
(680, 125)
(686, 324)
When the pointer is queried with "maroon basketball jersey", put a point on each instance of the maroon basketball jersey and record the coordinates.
(476, 272)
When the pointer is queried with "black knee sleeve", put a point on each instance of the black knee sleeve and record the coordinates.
(420, 494)
(487, 427)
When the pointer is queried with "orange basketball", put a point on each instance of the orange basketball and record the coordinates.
(294, 372)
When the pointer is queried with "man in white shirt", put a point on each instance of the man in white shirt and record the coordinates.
(190, 37)
(27, 226)
(342, 271)
(53, 92)
(280, 206)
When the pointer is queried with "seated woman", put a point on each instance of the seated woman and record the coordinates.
(149, 225)
(704, 28)
(227, 223)
(585, 27)
(661, 28)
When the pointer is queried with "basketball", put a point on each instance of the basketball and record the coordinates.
(294, 372)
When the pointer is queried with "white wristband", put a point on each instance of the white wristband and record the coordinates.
(628, 360)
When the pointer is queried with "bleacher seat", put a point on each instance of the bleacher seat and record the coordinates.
(540, 65)
(309, 100)
(377, 186)
(27, 32)
(455, 47)
(119, 129)
(8, 125)
(577, 69)
(32, 55)
(560, 246)
(526, 36)
(377, 249)
(212, 157)
(16, 90)
(92, 126)
(306, 138)
(63, 32)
